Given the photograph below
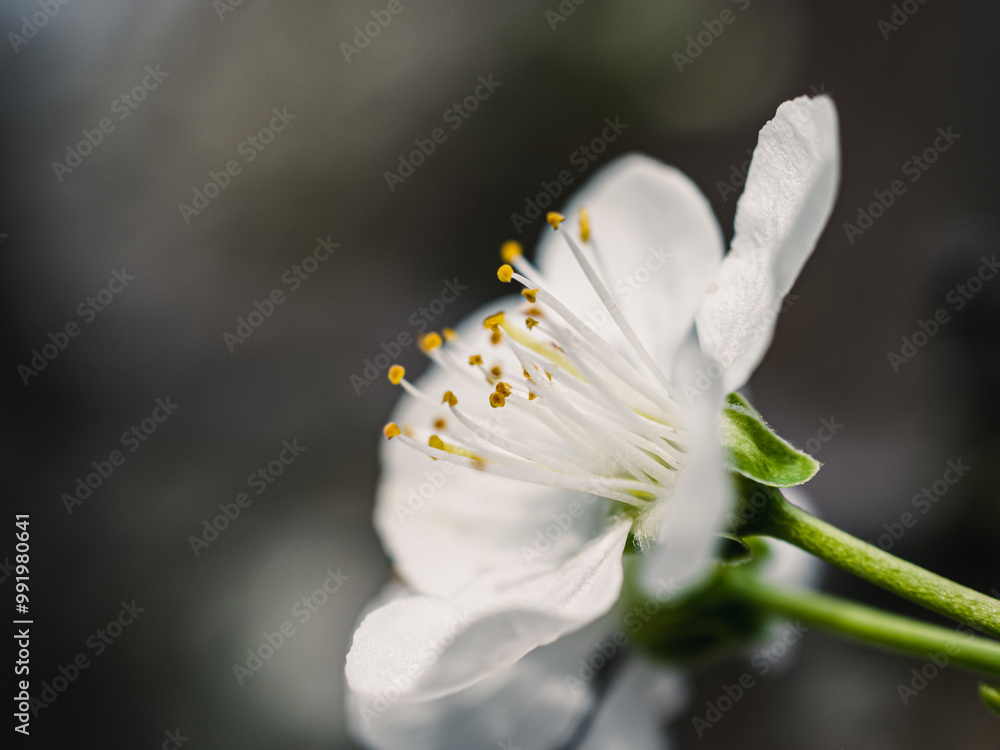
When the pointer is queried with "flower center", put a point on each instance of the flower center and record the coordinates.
(616, 423)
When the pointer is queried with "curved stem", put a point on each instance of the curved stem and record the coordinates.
(778, 518)
(870, 625)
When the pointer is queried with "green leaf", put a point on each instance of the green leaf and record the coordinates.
(756, 452)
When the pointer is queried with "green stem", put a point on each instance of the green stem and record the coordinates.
(776, 517)
(870, 625)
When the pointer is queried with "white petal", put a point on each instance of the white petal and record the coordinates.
(641, 700)
(696, 511)
(443, 525)
(659, 247)
(437, 646)
(790, 191)
(530, 706)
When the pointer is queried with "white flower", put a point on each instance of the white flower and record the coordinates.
(582, 412)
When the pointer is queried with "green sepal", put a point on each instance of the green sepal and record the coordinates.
(694, 626)
(990, 696)
(756, 452)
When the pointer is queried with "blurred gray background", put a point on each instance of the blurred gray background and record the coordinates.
(228, 67)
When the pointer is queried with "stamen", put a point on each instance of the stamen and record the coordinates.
(613, 489)
(429, 342)
(584, 225)
(614, 426)
(494, 321)
(511, 251)
(612, 308)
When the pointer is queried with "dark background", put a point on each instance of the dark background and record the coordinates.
(324, 175)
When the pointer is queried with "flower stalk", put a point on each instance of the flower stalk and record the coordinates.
(766, 513)
(869, 625)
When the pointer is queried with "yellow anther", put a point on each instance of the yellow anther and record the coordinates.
(526, 375)
(475, 359)
(529, 294)
(449, 334)
(497, 400)
(511, 251)
(531, 323)
(407, 430)
(396, 374)
(505, 273)
(584, 225)
(430, 342)
(493, 321)
(391, 430)
(495, 371)
(436, 442)
(503, 389)
(496, 337)
(532, 396)
(534, 312)
(449, 398)
(548, 374)
(440, 424)
(555, 219)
